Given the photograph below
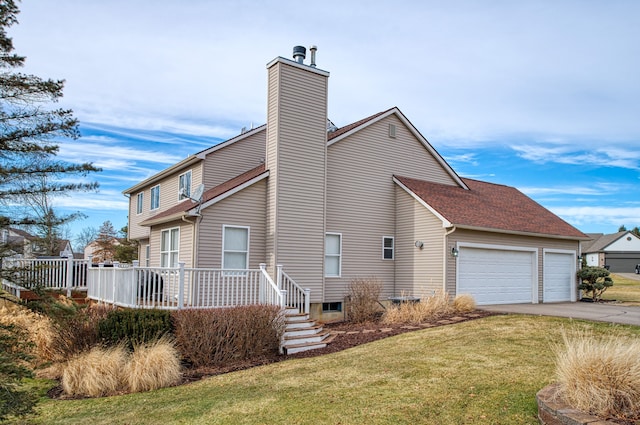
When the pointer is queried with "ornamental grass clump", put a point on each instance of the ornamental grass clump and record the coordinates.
(464, 303)
(600, 376)
(433, 307)
(95, 373)
(153, 365)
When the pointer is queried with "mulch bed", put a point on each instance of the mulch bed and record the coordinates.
(347, 335)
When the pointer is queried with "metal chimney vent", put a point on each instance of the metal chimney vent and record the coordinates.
(299, 53)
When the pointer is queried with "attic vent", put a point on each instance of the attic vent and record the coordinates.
(392, 131)
(331, 127)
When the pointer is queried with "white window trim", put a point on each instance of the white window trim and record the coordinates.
(140, 203)
(151, 198)
(180, 198)
(169, 251)
(147, 254)
(393, 248)
(334, 255)
(224, 227)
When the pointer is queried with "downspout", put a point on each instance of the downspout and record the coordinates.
(445, 251)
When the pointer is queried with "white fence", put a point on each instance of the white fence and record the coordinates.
(153, 287)
(48, 273)
(177, 288)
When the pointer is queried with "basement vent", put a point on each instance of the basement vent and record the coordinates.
(392, 131)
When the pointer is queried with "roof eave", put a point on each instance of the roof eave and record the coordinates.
(519, 232)
(188, 161)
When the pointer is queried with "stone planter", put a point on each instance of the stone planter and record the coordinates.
(552, 410)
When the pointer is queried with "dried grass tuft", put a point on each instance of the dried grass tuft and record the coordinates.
(95, 373)
(153, 365)
(600, 375)
(464, 303)
(428, 308)
(39, 328)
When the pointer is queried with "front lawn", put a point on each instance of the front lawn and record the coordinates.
(484, 371)
(624, 290)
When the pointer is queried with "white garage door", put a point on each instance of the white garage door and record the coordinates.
(559, 277)
(496, 276)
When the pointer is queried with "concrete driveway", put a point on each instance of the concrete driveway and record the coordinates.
(627, 315)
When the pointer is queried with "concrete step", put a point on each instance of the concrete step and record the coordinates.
(305, 339)
(299, 324)
(298, 348)
(303, 331)
(296, 317)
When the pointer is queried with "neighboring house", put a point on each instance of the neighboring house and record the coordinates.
(619, 252)
(373, 198)
(25, 245)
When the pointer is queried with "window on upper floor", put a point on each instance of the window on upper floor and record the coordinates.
(155, 197)
(333, 255)
(235, 247)
(184, 189)
(169, 247)
(140, 199)
(387, 248)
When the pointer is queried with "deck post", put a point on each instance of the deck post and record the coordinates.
(69, 274)
(307, 300)
(279, 276)
(181, 275)
(283, 300)
(263, 283)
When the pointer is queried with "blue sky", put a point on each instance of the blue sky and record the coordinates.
(540, 95)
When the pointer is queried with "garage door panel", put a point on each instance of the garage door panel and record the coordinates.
(559, 276)
(496, 276)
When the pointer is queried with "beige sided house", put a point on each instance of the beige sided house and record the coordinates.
(372, 198)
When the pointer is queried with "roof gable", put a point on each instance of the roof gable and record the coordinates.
(488, 206)
(614, 242)
(344, 132)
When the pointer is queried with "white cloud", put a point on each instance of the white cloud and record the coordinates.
(609, 217)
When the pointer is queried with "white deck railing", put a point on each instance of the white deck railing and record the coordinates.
(182, 287)
(48, 273)
(155, 287)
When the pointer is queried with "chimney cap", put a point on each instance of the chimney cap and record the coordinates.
(299, 53)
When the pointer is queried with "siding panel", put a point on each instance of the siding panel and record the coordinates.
(361, 204)
(245, 208)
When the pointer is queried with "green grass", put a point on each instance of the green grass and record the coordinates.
(485, 371)
(624, 290)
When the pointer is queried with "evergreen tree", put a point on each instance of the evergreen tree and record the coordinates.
(105, 244)
(127, 250)
(30, 130)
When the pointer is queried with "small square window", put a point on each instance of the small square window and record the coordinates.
(330, 307)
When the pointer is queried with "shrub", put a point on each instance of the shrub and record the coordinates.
(594, 281)
(213, 337)
(77, 332)
(95, 373)
(429, 308)
(133, 327)
(464, 303)
(152, 366)
(363, 295)
(600, 376)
